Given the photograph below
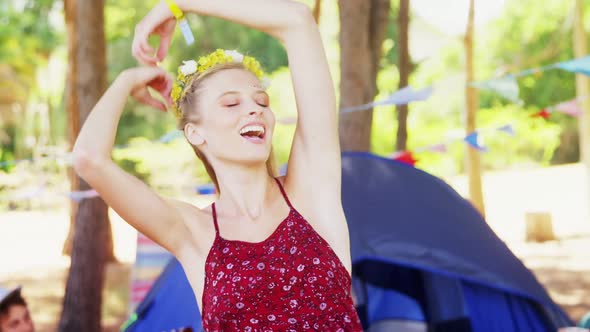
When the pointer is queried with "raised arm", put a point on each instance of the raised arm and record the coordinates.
(315, 156)
(134, 201)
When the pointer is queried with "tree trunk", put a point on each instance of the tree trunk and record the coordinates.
(405, 68)
(363, 25)
(473, 162)
(74, 112)
(583, 92)
(317, 9)
(92, 233)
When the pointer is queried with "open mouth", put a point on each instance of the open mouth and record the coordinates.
(253, 133)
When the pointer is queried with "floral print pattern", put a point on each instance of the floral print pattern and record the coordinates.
(292, 281)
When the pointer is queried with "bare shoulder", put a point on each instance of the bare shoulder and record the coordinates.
(198, 222)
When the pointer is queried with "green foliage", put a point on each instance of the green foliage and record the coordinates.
(526, 35)
(529, 36)
(27, 37)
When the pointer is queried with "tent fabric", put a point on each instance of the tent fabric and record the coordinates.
(495, 311)
(423, 259)
(402, 215)
(170, 305)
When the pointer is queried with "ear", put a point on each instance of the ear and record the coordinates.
(193, 135)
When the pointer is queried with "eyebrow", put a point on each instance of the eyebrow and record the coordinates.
(237, 92)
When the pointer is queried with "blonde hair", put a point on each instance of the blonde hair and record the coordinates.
(187, 108)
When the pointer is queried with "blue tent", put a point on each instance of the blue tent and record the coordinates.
(170, 305)
(423, 260)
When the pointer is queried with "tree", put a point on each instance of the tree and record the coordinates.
(317, 8)
(27, 38)
(471, 104)
(75, 114)
(86, 82)
(363, 24)
(405, 68)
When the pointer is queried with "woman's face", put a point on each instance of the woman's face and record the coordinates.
(236, 123)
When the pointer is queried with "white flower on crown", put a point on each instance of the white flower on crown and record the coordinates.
(265, 82)
(188, 67)
(235, 55)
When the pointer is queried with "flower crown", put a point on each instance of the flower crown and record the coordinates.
(189, 68)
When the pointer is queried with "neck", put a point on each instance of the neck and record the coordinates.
(244, 190)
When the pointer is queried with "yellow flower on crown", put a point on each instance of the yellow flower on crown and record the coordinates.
(191, 67)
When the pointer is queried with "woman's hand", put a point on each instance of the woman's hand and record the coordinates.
(278, 18)
(140, 78)
(159, 21)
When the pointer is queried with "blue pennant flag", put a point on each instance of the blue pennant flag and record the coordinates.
(171, 136)
(206, 189)
(509, 129)
(506, 87)
(581, 65)
(473, 139)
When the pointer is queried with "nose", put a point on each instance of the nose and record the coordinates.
(255, 109)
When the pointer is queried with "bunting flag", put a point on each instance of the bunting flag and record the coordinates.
(400, 97)
(505, 86)
(170, 136)
(580, 65)
(439, 148)
(474, 140)
(405, 95)
(78, 196)
(207, 189)
(406, 157)
(571, 108)
(509, 129)
(544, 113)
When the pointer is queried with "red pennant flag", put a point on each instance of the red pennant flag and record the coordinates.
(542, 113)
(406, 157)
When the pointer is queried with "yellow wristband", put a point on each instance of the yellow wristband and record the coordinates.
(176, 11)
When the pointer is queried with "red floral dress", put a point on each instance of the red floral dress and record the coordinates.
(292, 281)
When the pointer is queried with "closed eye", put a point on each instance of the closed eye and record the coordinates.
(262, 99)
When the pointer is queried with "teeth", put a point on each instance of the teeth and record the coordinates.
(255, 128)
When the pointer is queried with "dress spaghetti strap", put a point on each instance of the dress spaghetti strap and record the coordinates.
(215, 218)
(284, 193)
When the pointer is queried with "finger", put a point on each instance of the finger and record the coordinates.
(146, 47)
(147, 53)
(151, 75)
(138, 36)
(168, 94)
(140, 47)
(165, 41)
(141, 56)
(166, 33)
(144, 97)
(163, 85)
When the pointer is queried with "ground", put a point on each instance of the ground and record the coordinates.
(562, 266)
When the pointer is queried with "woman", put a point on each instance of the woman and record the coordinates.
(270, 254)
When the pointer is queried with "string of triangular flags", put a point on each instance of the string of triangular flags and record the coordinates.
(505, 86)
(403, 96)
(77, 196)
(473, 139)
